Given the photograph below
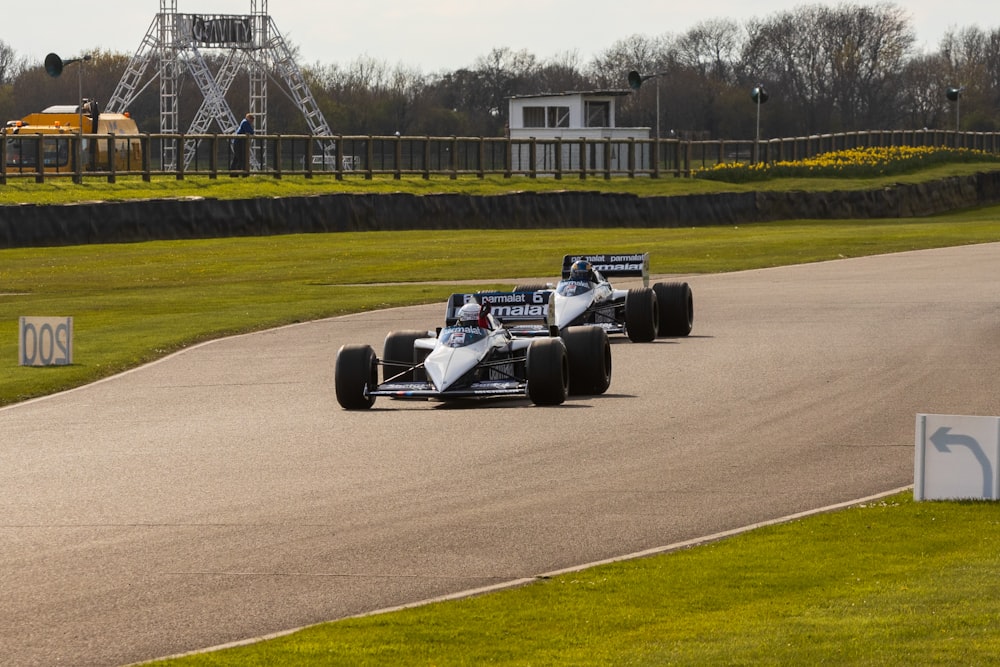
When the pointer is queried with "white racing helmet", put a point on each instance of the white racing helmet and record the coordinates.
(469, 314)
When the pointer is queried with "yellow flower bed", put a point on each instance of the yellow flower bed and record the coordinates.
(851, 163)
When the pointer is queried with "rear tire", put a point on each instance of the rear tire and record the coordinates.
(589, 353)
(398, 347)
(642, 316)
(547, 371)
(356, 370)
(676, 308)
(530, 288)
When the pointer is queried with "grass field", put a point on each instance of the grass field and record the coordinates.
(887, 583)
(133, 303)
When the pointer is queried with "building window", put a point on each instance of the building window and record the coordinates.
(557, 116)
(598, 114)
(545, 116)
(533, 117)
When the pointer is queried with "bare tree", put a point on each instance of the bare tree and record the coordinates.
(991, 81)
(610, 68)
(646, 55)
(476, 100)
(561, 74)
(11, 65)
(868, 47)
(710, 48)
(11, 69)
(504, 73)
(456, 104)
(838, 66)
(921, 93)
(973, 59)
(702, 79)
(784, 53)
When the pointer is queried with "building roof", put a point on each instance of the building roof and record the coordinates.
(591, 93)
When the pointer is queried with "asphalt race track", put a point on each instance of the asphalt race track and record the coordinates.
(222, 494)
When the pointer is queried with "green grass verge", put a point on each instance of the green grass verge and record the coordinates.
(133, 303)
(887, 583)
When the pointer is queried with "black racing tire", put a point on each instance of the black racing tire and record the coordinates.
(547, 371)
(642, 315)
(589, 353)
(356, 369)
(676, 304)
(398, 347)
(530, 288)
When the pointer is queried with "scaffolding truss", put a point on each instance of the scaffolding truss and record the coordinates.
(174, 46)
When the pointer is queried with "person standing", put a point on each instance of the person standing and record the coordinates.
(238, 163)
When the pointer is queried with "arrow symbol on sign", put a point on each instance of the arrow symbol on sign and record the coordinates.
(943, 439)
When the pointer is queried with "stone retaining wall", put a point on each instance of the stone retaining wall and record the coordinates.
(164, 219)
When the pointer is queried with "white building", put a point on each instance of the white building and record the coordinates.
(558, 122)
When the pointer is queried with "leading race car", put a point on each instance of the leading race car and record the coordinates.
(474, 356)
(584, 296)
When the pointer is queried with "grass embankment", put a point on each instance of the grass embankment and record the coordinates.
(64, 191)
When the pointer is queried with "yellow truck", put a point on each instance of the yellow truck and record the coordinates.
(57, 128)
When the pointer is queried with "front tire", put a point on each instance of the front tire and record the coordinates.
(642, 316)
(356, 372)
(589, 353)
(676, 308)
(398, 347)
(547, 371)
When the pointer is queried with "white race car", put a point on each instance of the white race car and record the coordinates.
(584, 296)
(474, 356)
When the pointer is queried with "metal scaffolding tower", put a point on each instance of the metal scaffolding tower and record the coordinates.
(173, 46)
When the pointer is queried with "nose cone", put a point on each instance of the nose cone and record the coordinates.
(447, 365)
(436, 366)
(569, 308)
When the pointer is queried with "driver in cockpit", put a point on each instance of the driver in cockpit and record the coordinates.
(581, 269)
(474, 315)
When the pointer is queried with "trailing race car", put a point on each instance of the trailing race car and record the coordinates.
(584, 296)
(475, 356)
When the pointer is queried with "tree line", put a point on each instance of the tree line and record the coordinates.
(825, 69)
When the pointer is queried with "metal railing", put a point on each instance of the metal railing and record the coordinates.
(42, 157)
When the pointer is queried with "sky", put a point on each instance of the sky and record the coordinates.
(441, 35)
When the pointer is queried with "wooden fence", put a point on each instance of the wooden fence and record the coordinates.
(42, 157)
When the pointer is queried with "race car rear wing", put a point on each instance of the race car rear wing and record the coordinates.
(625, 266)
(531, 306)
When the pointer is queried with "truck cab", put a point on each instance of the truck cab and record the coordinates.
(51, 136)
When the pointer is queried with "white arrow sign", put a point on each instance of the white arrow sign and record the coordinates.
(956, 457)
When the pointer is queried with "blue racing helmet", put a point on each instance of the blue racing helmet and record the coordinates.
(581, 270)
